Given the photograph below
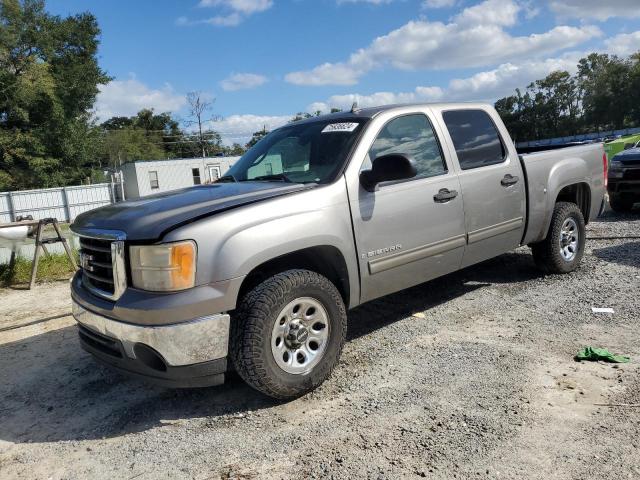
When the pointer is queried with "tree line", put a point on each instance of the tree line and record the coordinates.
(603, 94)
(156, 136)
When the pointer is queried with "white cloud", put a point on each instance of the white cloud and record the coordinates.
(483, 86)
(438, 3)
(344, 102)
(326, 74)
(624, 44)
(531, 8)
(128, 97)
(233, 12)
(598, 9)
(240, 128)
(503, 80)
(248, 7)
(490, 12)
(231, 20)
(474, 38)
(374, 2)
(242, 81)
(425, 3)
(487, 86)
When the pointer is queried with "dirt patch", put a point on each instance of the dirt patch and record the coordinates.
(19, 306)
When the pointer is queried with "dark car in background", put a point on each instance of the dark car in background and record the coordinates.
(624, 180)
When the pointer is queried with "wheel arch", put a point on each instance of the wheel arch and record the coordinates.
(578, 193)
(574, 192)
(326, 260)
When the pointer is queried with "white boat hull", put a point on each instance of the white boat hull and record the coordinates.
(14, 234)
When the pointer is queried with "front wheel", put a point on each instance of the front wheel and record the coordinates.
(562, 250)
(288, 333)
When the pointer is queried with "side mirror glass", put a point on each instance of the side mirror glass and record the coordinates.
(387, 168)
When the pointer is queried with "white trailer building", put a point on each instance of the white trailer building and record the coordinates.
(144, 178)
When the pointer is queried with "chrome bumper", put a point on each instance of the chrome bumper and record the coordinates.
(199, 340)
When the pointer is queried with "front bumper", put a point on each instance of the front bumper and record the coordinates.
(186, 354)
(154, 309)
(624, 180)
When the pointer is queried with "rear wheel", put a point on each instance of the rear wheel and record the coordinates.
(621, 202)
(288, 333)
(562, 250)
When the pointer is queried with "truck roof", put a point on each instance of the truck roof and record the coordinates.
(370, 112)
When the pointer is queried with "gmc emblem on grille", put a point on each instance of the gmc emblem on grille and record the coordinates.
(85, 260)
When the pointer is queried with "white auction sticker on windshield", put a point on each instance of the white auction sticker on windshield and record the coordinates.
(340, 127)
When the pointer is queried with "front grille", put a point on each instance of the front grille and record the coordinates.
(97, 264)
(633, 174)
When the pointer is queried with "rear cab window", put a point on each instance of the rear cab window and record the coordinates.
(475, 138)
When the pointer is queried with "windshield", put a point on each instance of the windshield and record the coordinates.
(306, 153)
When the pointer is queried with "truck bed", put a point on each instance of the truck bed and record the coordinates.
(549, 171)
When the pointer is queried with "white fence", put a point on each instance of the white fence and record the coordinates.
(64, 203)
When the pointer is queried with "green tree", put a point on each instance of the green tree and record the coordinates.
(634, 88)
(145, 136)
(235, 150)
(548, 107)
(151, 136)
(127, 144)
(300, 116)
(605, 80)
(49, 77)
(603, 95)
(257, 136)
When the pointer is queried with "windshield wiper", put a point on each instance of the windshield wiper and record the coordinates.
(276, 176)
(226, 178)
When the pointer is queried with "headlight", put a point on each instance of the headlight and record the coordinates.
(615, 164)
(164, 268)
(615, 169)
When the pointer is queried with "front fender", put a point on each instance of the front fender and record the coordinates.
(232, 244)
(278, 237)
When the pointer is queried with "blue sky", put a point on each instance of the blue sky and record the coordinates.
(264, 60)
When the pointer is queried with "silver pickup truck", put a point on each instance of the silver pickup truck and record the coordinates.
(257, 271)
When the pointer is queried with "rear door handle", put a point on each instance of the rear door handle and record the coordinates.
(445, 195)
(509, 180)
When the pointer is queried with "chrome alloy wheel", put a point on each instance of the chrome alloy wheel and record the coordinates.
(569, 238)
(300, 335)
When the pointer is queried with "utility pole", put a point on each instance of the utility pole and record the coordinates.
(120, 178)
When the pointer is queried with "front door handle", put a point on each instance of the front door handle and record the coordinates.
(509, 180)
(445, 195)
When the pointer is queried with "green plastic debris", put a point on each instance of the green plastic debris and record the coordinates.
(596, 354)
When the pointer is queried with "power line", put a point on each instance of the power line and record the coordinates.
(225, 134)
(163, 135)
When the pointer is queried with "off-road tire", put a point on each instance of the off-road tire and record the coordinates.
(546, 254)
(620, 202)
(254, 319)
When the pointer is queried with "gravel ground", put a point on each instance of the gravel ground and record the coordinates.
(467, 376)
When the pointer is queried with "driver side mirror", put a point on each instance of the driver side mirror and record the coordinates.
(387, 168)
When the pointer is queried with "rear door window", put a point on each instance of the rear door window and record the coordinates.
(475, 138)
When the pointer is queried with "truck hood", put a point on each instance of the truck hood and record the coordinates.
(149, 218)
(628, 157)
